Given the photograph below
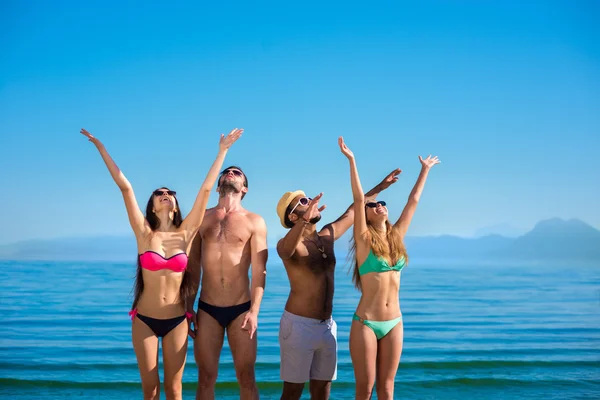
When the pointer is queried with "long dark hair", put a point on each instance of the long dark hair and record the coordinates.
(185, 289)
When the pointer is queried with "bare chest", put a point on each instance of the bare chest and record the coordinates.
(317, 256)
(228, 229)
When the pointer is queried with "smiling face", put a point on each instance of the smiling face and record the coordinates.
(298, 207)
(376, 212)
(164, 199)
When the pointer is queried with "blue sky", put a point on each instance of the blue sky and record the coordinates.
(506, 94)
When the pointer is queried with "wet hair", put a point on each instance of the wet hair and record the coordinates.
(243, 173)
(185, 289)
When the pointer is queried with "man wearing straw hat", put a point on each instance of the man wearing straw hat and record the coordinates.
(307, 331)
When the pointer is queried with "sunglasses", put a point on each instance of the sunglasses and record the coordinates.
(372, 204)
(236, 172)
(163, 192)
(302, 202)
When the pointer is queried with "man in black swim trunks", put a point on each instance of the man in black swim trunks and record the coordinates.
(228, 242)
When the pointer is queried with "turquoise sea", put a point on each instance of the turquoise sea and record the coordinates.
(472, 331)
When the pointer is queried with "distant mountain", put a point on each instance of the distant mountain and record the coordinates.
(556, 239)
(550, 240)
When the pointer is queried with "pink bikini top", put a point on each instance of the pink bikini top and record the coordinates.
(153, 261)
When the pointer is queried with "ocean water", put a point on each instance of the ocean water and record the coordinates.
(471, 332)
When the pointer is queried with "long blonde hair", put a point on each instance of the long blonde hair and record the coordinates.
(389, 247)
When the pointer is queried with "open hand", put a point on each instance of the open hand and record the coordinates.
(90, 137)
(429, 162)
(345, 150)
(390, 179)
(250, 323)
(226, 141)
(313, 208)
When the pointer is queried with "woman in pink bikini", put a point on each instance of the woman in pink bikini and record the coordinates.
(162, 284)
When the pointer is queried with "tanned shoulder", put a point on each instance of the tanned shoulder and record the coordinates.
(255, 219)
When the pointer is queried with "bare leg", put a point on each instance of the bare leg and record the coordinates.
(292, 391)
(319, 390)
(174, 346)
(145, 345)
(243, 350)
(207, 351)
(363, 352)
(388, 358)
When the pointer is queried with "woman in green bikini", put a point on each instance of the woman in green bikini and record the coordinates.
(376, 333)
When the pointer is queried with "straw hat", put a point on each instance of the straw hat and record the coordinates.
(284, 203)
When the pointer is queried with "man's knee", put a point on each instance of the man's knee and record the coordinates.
(207, 377)
(292, 391)
(245, 376)
(319, 389)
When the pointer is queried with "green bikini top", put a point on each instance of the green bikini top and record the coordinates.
(375, 264)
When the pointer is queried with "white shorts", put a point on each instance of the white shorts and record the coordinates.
(308, 349)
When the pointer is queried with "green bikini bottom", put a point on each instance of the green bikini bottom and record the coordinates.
(380, 328)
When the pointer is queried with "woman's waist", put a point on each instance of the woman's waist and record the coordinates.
(379, 309)
(157, 306)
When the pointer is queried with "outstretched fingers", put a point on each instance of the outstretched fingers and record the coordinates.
(313, 206)
(429, 161)
(86, 133)
(227, 140)
(235, 133)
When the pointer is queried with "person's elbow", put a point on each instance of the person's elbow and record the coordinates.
(125, 187)
(413, 200)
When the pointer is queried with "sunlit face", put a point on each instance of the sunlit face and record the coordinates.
(376, 211)
(164, 199)
(298, 208)
(232, 180)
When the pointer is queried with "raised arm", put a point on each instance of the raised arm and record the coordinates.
(360, 219)
(194, 219)
(415, 195)
(258, 257)
(136, 218)
(286, 247)
(343, 223)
